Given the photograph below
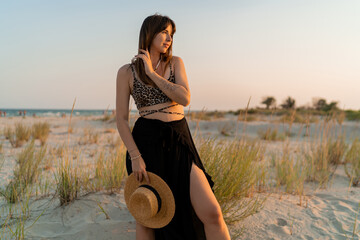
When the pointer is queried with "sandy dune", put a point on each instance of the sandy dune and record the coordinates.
(325, 213)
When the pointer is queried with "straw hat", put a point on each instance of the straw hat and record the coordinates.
(152, 205)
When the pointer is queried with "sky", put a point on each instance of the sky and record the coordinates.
(55, 51)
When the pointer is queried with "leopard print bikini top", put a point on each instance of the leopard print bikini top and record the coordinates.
(145, 95)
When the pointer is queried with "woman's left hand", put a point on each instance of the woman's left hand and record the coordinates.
(147, 61)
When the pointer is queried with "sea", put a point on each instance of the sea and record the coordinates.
(13, 112)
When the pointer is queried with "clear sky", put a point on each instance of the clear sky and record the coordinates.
(54, 51)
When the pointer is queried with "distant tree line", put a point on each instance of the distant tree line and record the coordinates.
(319, 104)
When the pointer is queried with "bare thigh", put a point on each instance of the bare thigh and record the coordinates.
(202, 198)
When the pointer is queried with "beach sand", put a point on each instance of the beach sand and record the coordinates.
(324, 213)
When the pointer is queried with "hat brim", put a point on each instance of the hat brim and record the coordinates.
(167, 211)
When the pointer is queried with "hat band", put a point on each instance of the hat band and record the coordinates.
(156, 194)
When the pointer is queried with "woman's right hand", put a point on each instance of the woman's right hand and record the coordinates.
(139, 169)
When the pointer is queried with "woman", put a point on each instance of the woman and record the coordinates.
(160, 141)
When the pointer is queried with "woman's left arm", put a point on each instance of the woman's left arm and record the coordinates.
(179, 91)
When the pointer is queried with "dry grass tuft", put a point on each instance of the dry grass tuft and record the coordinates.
(110, 170)
(271, 135)
(67, 180)
(237, 171)
(18, 136)
(26, 172)
(90, 136)
(41, 131)
(352, 163)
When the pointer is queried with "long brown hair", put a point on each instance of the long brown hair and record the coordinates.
(151, 26)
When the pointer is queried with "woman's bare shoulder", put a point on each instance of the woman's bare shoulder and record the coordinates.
(125, 69)
(176, 59)
(124, 75)
(177, 62)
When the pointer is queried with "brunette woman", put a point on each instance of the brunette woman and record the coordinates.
(160, 141)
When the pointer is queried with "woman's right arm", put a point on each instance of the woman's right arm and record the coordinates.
(122, 121)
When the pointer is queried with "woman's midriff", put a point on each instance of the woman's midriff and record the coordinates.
(165, 117)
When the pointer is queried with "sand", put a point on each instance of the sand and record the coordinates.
(324, 213)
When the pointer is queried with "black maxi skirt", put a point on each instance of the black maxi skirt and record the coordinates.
(169, 151)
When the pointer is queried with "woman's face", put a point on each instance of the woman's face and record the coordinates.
(162, 40)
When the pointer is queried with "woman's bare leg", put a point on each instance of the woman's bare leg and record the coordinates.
(144, 233)
(206, 206)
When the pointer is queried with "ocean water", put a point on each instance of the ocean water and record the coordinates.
(11, 112)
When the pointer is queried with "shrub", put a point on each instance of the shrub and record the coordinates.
(26, 172)
(290, 171)
(114, 141)
(352, 163)
(8, 132)
(41, 131)
(236, 168)
(271, 135)
(352, 115)
(336, 149)
(110, 170)
(28, 163)
(226, 129)
(19, 136)
(59, 150)
(67, 182)
(293, 118)
(89, 137)
(13, 191)
(318, 164)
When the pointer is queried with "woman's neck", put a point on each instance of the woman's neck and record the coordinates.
(155, 57)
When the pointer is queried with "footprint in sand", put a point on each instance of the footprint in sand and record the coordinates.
(281, 222)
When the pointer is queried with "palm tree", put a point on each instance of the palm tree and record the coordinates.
(289, 103)
(269, 101)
